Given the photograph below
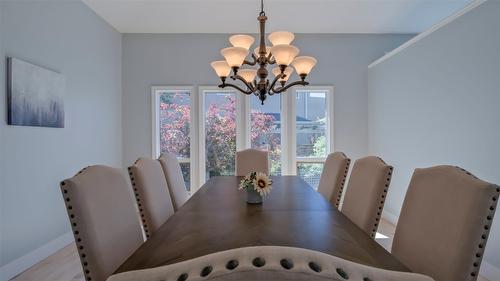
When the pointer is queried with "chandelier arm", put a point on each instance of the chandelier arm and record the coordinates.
(224, 85)
(282, 89)
(269, 61)
(281, 75)
(248, 84)
(251, 63)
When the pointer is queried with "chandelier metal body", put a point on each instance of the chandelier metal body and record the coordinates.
(255, 81)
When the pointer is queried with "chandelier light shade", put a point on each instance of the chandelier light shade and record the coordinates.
(221, 68)
(281, 38)
(257, 50)
(234, 55)
(248, 74)
(288, 71)
(284, 54)
(255, 80)
(304, 64)
(241, 40)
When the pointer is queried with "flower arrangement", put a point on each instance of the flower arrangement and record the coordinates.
(256, 181)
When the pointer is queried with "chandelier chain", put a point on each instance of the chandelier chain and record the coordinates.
(262, 7)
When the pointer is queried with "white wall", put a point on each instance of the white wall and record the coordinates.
(437, 102)
(184, 59)
(68, 37)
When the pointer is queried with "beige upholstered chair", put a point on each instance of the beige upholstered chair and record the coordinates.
(445, 222)
(175, 180)
(268, 263)
(252, 160)
(103, 218)
(366, 192)
(151, 193)
(334, 176)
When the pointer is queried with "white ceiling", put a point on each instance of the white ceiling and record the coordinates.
(299, 16)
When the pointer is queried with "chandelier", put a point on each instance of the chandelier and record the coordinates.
(255, 80)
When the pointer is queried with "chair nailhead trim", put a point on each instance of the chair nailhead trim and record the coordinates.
(342, 273)
(286, 264)
(315, 267)
(183, 277)
(206, 271)
(232, 264)
(259, 262)
(484, 236)
(76, 233)
(138, 200)
(381, 205)
(342, 183)
(466, 172)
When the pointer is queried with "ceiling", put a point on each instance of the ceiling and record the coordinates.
(299, 16)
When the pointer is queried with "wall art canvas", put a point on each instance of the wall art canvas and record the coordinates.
(35, 95)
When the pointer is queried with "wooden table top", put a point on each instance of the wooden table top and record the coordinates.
(217, 218)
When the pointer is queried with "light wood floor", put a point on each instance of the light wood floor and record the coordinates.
(61, 266)
(65, 265)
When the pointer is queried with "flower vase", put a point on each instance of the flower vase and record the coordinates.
(253, 197)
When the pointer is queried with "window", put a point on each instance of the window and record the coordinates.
(220, 131)
(312, 131)
(295, 127)
(173, 126)
(265, 129)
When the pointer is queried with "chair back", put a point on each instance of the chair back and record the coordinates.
(333, 177)
(268, 263)
(151, 193)
(252, 160)
(366, 193)
(103, 218)
(445, 222)
(175, 180)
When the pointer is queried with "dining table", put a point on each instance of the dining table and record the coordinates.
(217, 218)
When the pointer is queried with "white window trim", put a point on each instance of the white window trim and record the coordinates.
(243, 104)
(193, 129)
(240, 125)
(293, 159)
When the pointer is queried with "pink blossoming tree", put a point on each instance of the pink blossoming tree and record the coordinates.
(220, 128)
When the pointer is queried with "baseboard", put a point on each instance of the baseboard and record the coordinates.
(489, 271)
(390, 217)
(19, 265)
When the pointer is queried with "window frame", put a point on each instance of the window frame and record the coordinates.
(248, 124)
(240, 124)
(155, 137)
(289, 159)
(293, 159)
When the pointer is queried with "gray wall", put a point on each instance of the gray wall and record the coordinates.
(184, 59)
(2, 114)
(68, 37)
(437, 102)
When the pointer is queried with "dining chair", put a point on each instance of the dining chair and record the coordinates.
(445, 222)
(366, 193)
(103, 219)
(268, 263)
(175, 180)
(151, 193)
(252, 160)
(333, 177)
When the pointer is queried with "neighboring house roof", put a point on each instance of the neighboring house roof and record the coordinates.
(277, 116)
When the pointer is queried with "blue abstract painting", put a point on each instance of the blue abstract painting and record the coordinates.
(35, 95)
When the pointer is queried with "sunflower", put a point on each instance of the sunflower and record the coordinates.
(262, 184)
